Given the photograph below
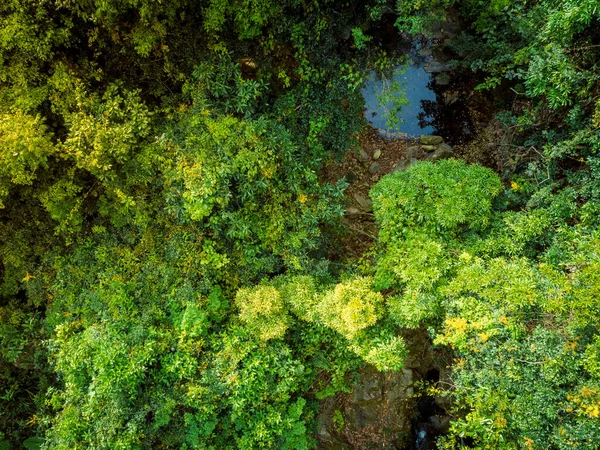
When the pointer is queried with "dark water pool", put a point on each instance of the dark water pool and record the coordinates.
(433, 107)
(417, 87)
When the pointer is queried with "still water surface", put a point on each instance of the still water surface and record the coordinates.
(417, 85)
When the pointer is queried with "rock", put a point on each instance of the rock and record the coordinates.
(442, 79)
(445, 147)
(400, 385)
(365, 202)
(440, 423)
(430, 140)
(377, 154)
(379, 413)
(450, 97)
(363, 156)
(401, 166)
(425, 52)
(413, 152)
(352, 212)
(380, 398)
(436, 67)
(442, 151)
(404, 164)
(449, 28)
(374, 168)
(328, 434)
(391, 135)
(368, 387)
(440, 53)
(429, 148)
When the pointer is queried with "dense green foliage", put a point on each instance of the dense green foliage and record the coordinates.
(524, 329)
(517, 300)
(157, 160)
(165, 232)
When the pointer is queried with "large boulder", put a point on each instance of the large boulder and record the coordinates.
(377, 413)
(380, 411)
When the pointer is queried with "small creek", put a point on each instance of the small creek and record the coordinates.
(435, 106)
(432, 107)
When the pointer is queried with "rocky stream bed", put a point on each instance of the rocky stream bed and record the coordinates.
(394, 410)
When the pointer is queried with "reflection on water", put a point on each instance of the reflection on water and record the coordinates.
(417, 85)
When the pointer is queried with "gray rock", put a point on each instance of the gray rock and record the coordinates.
(425, 52)
(381, 404)
(413, 152)
(391, 135)
(442, 79)
(451, 28)
(365, 202)
(352, 212)
(381, 398)
(377, 154)
(368, 388)
(450, 97)
(399, 384)
(374, 168)
(429, 148)
(442, 151)
(327, 431)
(430, 140)
(363, 156)
(436, 67)
(404, 164)
(400, 167)
(440, 53)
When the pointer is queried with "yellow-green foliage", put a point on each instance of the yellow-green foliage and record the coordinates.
(382, 349)
(263, 312)
(351, 307)
(25, 145)
(348, 308)
(181, 144)
(302, 296)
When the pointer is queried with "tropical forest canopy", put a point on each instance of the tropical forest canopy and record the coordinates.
(168, 267)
